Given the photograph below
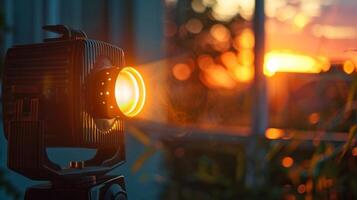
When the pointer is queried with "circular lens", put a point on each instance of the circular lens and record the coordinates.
(130, 91)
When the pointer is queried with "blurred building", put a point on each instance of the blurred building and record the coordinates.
(136, 26)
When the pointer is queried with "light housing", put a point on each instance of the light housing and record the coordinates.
(51, 98)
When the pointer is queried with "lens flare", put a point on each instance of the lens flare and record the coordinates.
(130, 92)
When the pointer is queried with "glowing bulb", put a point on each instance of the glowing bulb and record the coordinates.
(130, 92)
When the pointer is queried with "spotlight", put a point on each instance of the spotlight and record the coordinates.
(69, 92)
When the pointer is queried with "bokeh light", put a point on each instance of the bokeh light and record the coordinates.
(348, 66)
(194, 25)
(301, 188)
(273, 133)
(220, 33)
(204, 61)
(181, 71)
(225, 10)
(354, 151)
(314, 118)
(287, 162)
(246, 39)
(216, 76)
(300, 20)
(198, 6)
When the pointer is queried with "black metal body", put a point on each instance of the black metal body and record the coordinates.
(45, 104)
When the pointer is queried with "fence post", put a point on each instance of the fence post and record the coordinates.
(255, 152)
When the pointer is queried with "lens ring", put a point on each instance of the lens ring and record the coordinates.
(130, 91)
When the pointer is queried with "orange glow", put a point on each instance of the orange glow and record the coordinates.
(242, 73)
(194, 25)
(204, 61)
(354, 151)
(229, 59)
(246, 57)
(334, 32)
(324, 63)
(309, 186)
(348, 67)
(291, 62)
(247, 74)
(301, 189)
(287, 162)
(314, 118)
(216, 76)
(286, 14)
(181, 71)
(273, 133)
(220, 33)
(245, 39)
(301, 20)
(130, 91)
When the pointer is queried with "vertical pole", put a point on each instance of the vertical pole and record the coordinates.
(255, 152)
(260, 108)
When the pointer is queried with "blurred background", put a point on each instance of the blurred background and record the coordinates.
(215, 125)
